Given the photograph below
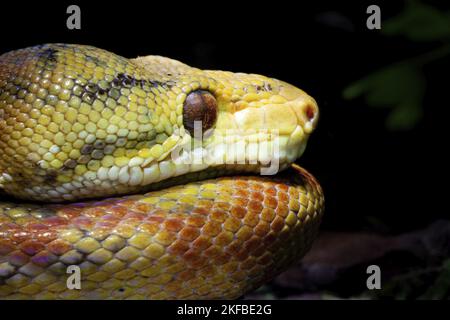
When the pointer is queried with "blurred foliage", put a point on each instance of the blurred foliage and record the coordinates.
(441, 287)
(401, 86)
(419, 22)
(431, 283)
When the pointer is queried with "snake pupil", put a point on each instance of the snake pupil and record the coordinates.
(200, 106)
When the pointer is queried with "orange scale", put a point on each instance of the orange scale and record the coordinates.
(222, 205)
(18, 258)
(244, 233)
(198, 263)
(230, 267)
(55, 221)
(59, 247)
(68, 212)
(18, 236)
(149, 227)
(129, 223)
(118, 211)
(4, 219)
(186, 275)
(157, 213)
(155, 218)
(219, 215)
(142, 207)
(277, 224)
(9, 227)
(195, 221)
(173, 287)
(182, 208)
(94, 212)
(125, 202)
(257, 196)
(84, 223)
(189, 233)
(44, 258)
(224, 238)
(36, 227)
(255, 206)
(109, 219)
(212, 228)
(282, 210)
(232, 224)
(233, 248)
(261, 229)
(200, 210)
(221, 259)
(283, 197)
(101, 232)
(136, 216)
(240, 202)
(191, 256)
(124, 230)
(207, 271)
(46, 236)
(242, 193)
(212, 251)
(201, 243)
(180, 215)
(238, 212)
(251, 244)
(203, 206)
(6, 247)
(31, 247)
(241, 184)
(173, 224)
(24, 221)
(270, 202)
(242, 255)
(179, 247)
(293, 192)
(257, 186)
(165, 238)
(282, 187)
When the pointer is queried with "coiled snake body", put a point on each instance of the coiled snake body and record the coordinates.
(157, 145)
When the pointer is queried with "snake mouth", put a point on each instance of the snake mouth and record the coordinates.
(265, 152)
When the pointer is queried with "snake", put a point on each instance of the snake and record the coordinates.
(146, 178)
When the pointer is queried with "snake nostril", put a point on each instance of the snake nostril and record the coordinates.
(310, 112)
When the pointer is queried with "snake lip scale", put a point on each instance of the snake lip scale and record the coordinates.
(97, 159)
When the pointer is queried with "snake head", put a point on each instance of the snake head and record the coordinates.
(263, 121)
(245, 122)
(80, 122)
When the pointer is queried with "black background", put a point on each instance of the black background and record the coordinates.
(365, 170)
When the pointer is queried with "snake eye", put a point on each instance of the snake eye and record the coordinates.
(201, 106)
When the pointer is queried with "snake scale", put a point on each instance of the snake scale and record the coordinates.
(139, 172)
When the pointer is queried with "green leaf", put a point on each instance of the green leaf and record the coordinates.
(404, 117)
(419, 22)
(400, 87)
